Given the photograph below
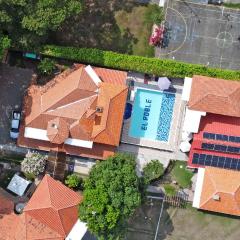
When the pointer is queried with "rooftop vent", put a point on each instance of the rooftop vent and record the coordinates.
(216, 197)
(54, 125)
(99, 109)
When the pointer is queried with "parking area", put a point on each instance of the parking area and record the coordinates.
(201, 33)
(13, 84)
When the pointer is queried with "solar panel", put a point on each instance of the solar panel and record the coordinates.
(216, 161)
(221, 137)
(220, 148)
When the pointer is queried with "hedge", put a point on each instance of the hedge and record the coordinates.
(159, 67)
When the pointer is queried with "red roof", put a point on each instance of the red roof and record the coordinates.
(225, 184)
(217, 124)
(215, 96)
(67, 108)
(50, 214)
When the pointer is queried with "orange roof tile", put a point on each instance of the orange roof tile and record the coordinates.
(50, 214)
(215, 96)
(225, 184)
(73, 97)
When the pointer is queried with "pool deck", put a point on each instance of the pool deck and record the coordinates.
(147, 149)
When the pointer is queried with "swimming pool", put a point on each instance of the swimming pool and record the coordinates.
(152, 115)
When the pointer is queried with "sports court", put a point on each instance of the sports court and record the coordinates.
(200, 33)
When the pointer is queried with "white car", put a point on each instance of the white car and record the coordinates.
(15, 124)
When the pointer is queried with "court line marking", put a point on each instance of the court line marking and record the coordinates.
(185, 37)
(160, 215)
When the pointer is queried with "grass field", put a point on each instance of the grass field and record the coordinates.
(180, 224)
(189, 224)
(121, 26)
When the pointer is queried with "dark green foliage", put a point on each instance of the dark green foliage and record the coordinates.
(154, 14)
(160, 67)
(152, 171)
(111, 195)
(46, 66)
(232, 5)
(29, 22)
(4, 44)
(73, 181)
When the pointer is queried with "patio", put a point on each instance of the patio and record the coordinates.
(147, 149)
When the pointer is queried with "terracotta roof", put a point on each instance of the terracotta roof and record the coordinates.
(50, 214)
(70, 101)
(225, 184)
(215, 96)
(54, 206)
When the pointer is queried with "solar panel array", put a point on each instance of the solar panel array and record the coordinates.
(216, 161)
(221, 148)
(221, 137)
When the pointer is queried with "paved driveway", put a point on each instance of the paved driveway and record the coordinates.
(13, 83)
(204, 34)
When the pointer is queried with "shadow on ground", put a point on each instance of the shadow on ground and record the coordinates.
(97, 27)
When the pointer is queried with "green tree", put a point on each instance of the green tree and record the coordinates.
(73, 181)
(46, 66)
(152, 170)
(29, 22)
(111, 195)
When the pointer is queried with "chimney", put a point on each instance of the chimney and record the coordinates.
(216, 197)
(99, 109)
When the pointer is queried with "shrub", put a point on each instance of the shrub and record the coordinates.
(159, 67)
(73, 181)
(169, 190)
(46, 66)
(5, 43)
(152, 171)
(34, 163)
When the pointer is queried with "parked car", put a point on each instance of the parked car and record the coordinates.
(15, 124)
(215, 2)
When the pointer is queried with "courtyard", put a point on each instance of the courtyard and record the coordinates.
(202, 34)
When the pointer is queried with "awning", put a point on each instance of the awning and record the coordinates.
(18, 185)
(163, 83)
(192, 120)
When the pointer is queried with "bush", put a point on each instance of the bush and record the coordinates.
(159, 67)
(169, 190)
(152, 171)
(34, 163)
(73, 181)
(5, 43)
(46, 66)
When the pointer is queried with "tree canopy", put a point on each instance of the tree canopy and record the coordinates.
(111, 195)
(28, 22)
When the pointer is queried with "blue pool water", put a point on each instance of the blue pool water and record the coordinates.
(152, 115)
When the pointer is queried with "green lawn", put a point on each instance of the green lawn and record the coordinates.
(181, 174)
(121, 26)
(139, 24)
(191, 224)
(232, 5)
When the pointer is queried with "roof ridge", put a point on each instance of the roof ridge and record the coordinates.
(69, 104)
